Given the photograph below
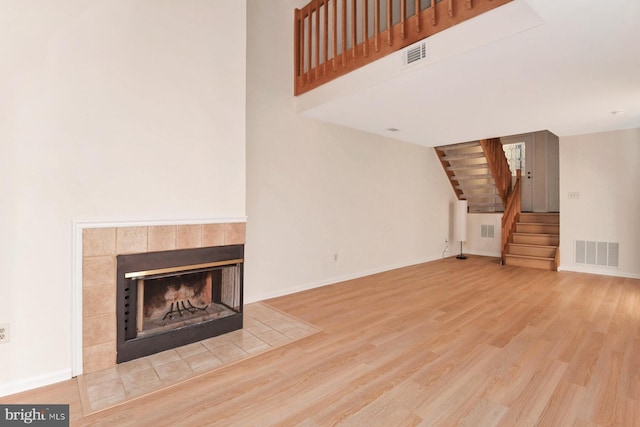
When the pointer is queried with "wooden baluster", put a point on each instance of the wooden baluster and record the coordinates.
(335, 33)
(389, 23)
(354, 33)
(309, 46)
(403, 14)
(376, 24)
(417, 16)
(326, 35)
(344, 33)
(317, 68)
(434, 14)
(469, 4)
(297, 66)
(451, 8)
(365, 28)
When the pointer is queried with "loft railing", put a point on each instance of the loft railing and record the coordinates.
(511, 214)
(335, 37)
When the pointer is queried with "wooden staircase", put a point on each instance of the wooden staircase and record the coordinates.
(535, 241)
(469, 171)
(479, 173)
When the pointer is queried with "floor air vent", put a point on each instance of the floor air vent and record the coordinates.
(414, 53)
(604, 254)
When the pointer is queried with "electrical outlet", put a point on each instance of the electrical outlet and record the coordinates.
(335, 257)
(4, 333)
(574, 195)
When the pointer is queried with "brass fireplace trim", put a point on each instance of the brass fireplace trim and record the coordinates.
(137, 274)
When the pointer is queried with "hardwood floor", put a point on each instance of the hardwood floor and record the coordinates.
(444, 343)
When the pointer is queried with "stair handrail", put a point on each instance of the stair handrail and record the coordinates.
(512, 210)
(498, 165)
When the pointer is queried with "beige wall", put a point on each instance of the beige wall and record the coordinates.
(315, 190)
(109, 111)
(604, 169)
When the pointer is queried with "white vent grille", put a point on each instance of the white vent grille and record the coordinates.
(415, 53)
(487, 230)
(604, 254)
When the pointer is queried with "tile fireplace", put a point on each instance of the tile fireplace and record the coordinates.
(100, 244)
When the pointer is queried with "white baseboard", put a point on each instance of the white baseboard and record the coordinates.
(18, 386)
(482, 253)
(334, 280)
(603, 271)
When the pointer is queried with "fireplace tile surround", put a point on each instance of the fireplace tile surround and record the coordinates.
(101, 245)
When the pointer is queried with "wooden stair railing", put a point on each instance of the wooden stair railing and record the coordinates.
(499, 166)
(325, 31)
(512, 210)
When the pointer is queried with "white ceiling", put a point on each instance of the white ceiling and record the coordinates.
(561, 65)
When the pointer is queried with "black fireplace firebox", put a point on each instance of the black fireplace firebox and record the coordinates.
(172, 298)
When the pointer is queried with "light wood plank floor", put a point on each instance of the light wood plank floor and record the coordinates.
(439, 344)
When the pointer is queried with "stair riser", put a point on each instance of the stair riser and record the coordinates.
(530, 263)
(539, 251)
(536, 240)
(538, 228)
(546, 219)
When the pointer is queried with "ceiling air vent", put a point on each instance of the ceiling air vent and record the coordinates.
(415, 53)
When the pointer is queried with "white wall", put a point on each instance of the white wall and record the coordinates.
(604, 169)
(109, 110)
(476, 244)
(315, 190)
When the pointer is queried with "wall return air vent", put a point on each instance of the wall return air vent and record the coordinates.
(414, 53)
(603, 254)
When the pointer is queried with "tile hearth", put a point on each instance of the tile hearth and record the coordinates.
(264, 329)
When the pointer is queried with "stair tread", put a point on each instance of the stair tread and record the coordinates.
(461, 146)
(530, 257)
(471, 197)
(462, 156)
(535, 223)
(471, 177)
(531, 245)
(536, 234)
(469, 167)
(476, 187)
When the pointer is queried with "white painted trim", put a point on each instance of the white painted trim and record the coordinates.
(13, 387)
(335, 280)
(76, 299)
(482, 253)
(106, 223)
(601, 271)
(76, 267)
